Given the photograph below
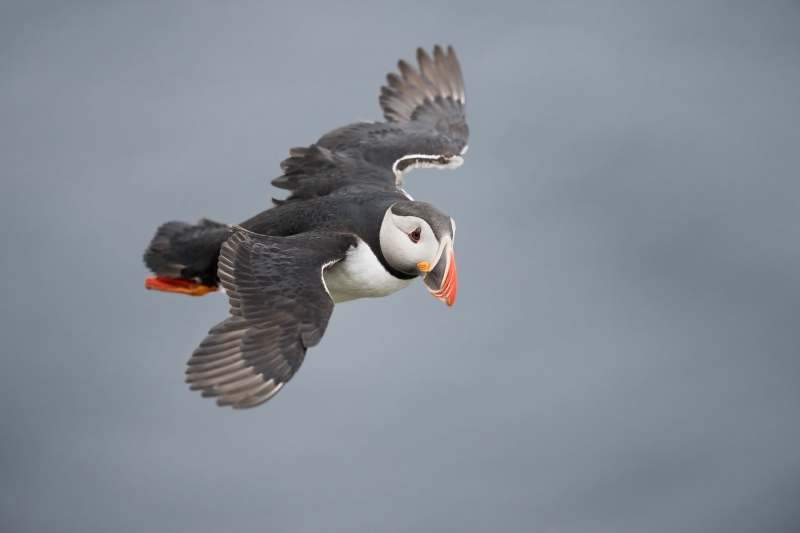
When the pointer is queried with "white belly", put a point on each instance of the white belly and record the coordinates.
(360, 275)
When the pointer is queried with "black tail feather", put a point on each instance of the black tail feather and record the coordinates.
(188, 251)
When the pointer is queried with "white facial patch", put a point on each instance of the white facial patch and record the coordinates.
(400, 250)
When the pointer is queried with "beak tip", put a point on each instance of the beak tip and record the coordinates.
(447, 291)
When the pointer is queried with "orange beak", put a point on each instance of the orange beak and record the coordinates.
(441, 280)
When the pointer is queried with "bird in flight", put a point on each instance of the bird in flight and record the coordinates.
(345, 231)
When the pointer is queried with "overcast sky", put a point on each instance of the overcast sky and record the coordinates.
(624, 352)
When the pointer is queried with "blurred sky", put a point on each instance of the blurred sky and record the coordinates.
(624, 352)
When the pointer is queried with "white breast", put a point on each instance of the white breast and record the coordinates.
(360, 275)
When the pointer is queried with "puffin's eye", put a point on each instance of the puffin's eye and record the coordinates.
(415, 235)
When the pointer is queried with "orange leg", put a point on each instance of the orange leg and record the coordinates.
(183, 286)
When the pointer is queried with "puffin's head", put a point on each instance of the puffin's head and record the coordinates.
(417, 239)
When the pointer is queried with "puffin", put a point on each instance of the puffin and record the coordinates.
(347, 230)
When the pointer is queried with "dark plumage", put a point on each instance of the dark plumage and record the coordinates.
(282, 268)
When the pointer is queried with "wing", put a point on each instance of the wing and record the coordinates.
(425, 127)
(279, 306)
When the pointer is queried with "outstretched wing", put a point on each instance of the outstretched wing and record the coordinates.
(425, 127)
(279, 306)
(425, 114)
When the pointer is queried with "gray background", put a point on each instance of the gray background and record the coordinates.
(624, 352)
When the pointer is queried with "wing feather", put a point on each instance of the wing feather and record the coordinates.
(426, 126)
(279, 308)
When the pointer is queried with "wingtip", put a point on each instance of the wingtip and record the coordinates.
(438, 78)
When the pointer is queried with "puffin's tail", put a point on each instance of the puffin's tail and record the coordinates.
(184, 257)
